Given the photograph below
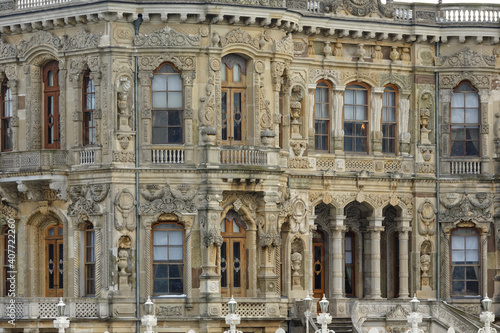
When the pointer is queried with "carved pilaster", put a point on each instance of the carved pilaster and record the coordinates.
(376, 133)
(97, 251)
(338, 106)
(76, 263)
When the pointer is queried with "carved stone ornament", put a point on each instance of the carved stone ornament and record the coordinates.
(38, 39)
(398, 313)
(167, 37)
(7, 50)
(466, 207)
(285, 45)
(167, 199)
(449, 81)
(82, 40)
(272, 238)
(125, 204)
(427, 223)
(239, 36)
(363, 7)
(7, 211)
(85, 198)
(466, 58)
(151, 62)
(299, 217)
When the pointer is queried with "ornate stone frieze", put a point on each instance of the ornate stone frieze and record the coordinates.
(360, 7)
(37, 39)
(398, 313)
(124, 156)
(285, 45)
(317, 74)
(86, 198)
(124, 206)
(298, 216)
(466, 58)
(7, 50)
(169, 311)
(372, 77)
(265, 3)
(404, 81)
(427, 218)
(7, 211)
(82, 40)
(167, 199)
(466, 207)
(271, 238)
(167, 37)
(151, 62)
(239, 36)
(449, 81)
(242, 203)
(210, 230)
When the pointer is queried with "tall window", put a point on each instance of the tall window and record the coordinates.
(51, 93)
(89, 260)
(350, 263)
(389, 132)
(282, 111)
(322, 116)
(318, 268)
(168, 259)
(465, 264)
(89, 133)
(6, 104)
(464, 121)
(4, 242)
(233, 256)
(356, 118)
(167, 106)
(54, 265)
(233, 74)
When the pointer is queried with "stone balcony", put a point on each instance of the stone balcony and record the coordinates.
(40, 160)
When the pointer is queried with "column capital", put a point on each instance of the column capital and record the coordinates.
(375, 229)
(403, 230)
(338, 228)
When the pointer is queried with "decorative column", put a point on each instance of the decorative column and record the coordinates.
(144, 104)
(484, 96)
(97, 251)
(188, 82)
(338, 125)
(444, 134)
(375, 228)
(12, 84)
(366, 264)
(76, 265)
(404, 116)
(403, 261)
(188, 226)
(445, 264)
(484, 260)
(376, 129)
(338, 231)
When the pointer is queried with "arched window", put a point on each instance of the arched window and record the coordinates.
(233, 72)
(350, 264)
(6, 104)
(389, 123)
(356, 118)
(322, 106)
(168, 259)
(465, 262)
(233, 256)
(51, 91)
(88, 107)
(54, 256)
(168, 106)
(89, 254)
(464, 115)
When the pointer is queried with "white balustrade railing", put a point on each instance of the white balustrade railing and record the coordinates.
(471, 15)
(167, 156)
(87, 157)
(465, 167)
(243, 157)
(23, 4)
(403, 14)
(315, 6)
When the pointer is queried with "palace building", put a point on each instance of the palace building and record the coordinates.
(263, 149)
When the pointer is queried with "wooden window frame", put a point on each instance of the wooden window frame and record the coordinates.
(89, 135)
(57, 239)
(229, 237)
(230, 88)
(476, 233)
(54, 93)
(89, 259)
(6, 126)
(167, 109)
(321, 242)
(328, 88)
(465, 124)
(179, 227)
(353, 265)
(385, 139)
(356, 121)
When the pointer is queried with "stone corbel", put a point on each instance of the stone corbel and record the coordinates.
(60, 187)
(33, 191)
(10, 193)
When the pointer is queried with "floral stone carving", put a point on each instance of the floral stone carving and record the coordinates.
(466, 207)
(167, 199)
(85, 198)
(167, 37)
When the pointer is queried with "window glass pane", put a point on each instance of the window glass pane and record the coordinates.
(361, 112)
(160, 253)
(472, 116)
(174, 118)
(348, 144)
(360, 129)
(175, 238)
(223, 73)
(348, 112)
(159, 135)
(50, 79)
(160, 82)
(175, 135)
(175, 82)
(471, 100)
(159, 100)
(175, 271)
(360, 145)
(348, 258)
(164, 69)
(175, 253)
(457, 100)
(458, 273)
(175, 286)
(472, 242)
(361, 97)
(324, 93)
(472, 148)
(472, 273)
(458, 257)
(159, 118)
(174, 100)
(457, 133)
(236, 227)
(160, 271)
(160, 286)
(472, 257)
(458, 287)
(236, 73)
(457, 116)
(472, 288)
(223, 226)
(457, 243)
(325, 112)
(348, 96)
(160, 238)
(457, 148)
(349, 128)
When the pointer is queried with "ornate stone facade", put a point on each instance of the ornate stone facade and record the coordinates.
(142, 188)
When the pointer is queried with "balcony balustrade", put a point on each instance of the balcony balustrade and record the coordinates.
(33, 160)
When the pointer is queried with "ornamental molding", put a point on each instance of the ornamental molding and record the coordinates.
(398, 313)
(182, 62)
(39, 38)
(167, 36)
(7, 50)
(466, 58)
(360, 7)
(86, 198)
(450, 81)
(82, 40)
(239, 36)
(372, 78)
(242, 203)
(167, 199)
(265, 3)
(285, 45)
(466, 207)
(405, 82)
(124, 205)
(427, 218)
(317, 74)
(7, 211)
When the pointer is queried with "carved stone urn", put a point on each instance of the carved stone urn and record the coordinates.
(267, 137)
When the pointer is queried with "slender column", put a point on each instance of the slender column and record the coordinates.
(445, 265)
(76, 266)
(484, 262)
(375, 229)
(403, 262)
(97, 262)
(338, 230)
(366, 264)
(147, 258)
